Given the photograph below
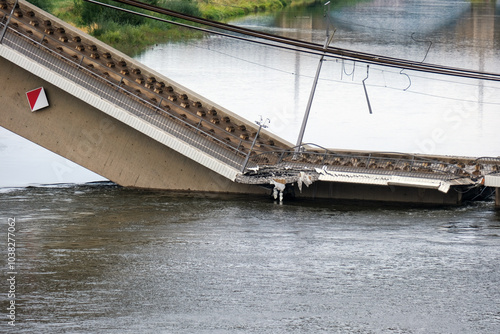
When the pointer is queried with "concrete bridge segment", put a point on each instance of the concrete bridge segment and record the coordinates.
(83, 127)
(84, 134)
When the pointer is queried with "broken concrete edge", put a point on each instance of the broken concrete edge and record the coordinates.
(280, 181)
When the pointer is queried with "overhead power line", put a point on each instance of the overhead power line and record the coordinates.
(303, 46)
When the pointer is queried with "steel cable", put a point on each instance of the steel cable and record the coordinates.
(304, 46)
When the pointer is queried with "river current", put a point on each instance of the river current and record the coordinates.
(102, 259)
(98, 258)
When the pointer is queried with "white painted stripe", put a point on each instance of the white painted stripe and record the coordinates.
(383, 180)
(41, 102)
(492, 181)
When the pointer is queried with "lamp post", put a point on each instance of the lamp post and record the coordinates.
(261, 124)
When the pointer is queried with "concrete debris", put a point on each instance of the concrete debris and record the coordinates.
(304, 179)
(279, 188)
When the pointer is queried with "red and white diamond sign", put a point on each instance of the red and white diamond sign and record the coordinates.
(37, 99)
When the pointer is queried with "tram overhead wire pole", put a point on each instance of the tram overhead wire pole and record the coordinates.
(328, 40)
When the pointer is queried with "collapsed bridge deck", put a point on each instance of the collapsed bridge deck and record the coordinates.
(211, 138)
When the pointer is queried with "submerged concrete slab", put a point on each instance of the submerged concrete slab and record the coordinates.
(373, 193)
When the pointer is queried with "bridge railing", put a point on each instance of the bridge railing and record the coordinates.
(232, 150)
(309, 156)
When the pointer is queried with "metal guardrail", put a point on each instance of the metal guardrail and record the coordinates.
(4, 29)
(379, 162)
(90, 80)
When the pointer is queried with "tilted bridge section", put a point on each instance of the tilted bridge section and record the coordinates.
(136, 127)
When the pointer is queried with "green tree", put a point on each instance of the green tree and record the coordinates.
(188, 7)
(91, 14)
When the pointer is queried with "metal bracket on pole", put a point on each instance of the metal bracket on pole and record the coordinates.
(315, 83)
(261, 124)
(8, 21)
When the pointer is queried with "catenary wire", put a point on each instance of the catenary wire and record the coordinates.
(285, 42)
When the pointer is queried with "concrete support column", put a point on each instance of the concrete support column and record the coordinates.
(497, 198)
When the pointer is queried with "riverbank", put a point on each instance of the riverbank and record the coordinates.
(223, 9)
(133, 38)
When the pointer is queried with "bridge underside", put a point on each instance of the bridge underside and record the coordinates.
(391, 194)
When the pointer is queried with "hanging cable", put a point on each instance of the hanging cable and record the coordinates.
(428, 49)
(366, 92)
(345, 72)
(409, 79)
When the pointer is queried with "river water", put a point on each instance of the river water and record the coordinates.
(97, 258)
(103, 259)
